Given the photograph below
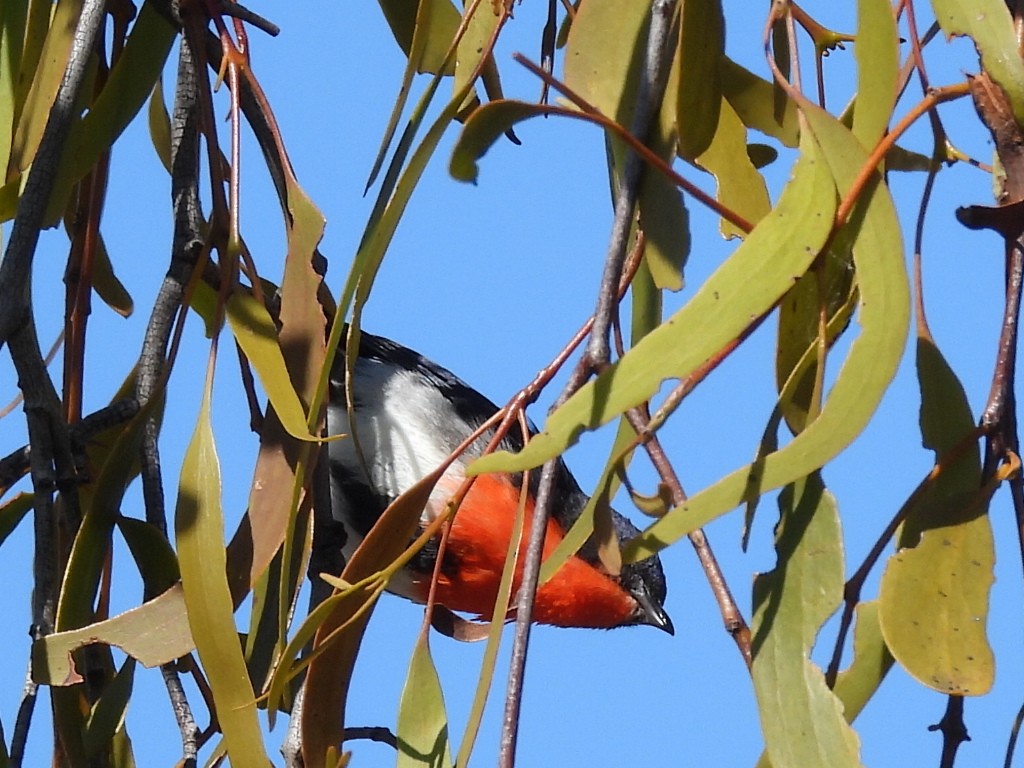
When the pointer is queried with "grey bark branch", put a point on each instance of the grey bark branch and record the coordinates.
(50, 458)
(151, 369)
(649, 97)
(16, 267)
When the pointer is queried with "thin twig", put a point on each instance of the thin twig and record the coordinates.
(1011, 743)
(19, 739)
(182, 714)
(153, 365)
(732, 617)
(650, 93)
(17, 463)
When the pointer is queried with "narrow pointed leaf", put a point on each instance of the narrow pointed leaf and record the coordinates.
(199, 529)
(877, 51)
(130, 82)
(160, 125)
(107, 717)
(43, 90)
(256, 334)
(740, 187)
(12, 512)
(760, 104)
(422, 722)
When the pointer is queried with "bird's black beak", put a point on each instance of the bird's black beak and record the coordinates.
(652, 613)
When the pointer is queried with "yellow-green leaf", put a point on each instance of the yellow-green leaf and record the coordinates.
(701, 46)
(989, 24)
(778, 250)
(13, 512)
(802, 720)
(934, 599)
(256, 334)
(442, 21)
(160, 125)
(130, 82)
(865, 375)
(604, 51)
(760, 104)
(740, 187)
(199, 529)
(422, 722)
(106, 284)
(877, 51)
(871, 662)
(45, 82)
(107, 716)
(934, 593)
(154, 633)
(485, 126)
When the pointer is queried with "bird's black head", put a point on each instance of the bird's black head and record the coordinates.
(644, 580)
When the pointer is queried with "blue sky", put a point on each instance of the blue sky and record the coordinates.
(489, 280)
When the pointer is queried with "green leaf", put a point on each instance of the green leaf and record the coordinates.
(797, 349)
(438, 30)
(801, 718)
(130, 82)
(12, 512)
(934, 599)
(607, 486)
(256, 334)
(760, 104)
(934, 593)
(603, 54)
(154, 633)
(45, 80)
(13, 18)
(877, 52)
(422, 723)
(871, 662)
(869, 367)
(157, 563)
(107, 716)
(745, 286)
(106, 284)
(484, 127)
(989, 24)
(480, 28)
(740, 187)
(160, 125)
(199, 530)
(701, 46)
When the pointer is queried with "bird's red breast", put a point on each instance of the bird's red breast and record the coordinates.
(578, 595)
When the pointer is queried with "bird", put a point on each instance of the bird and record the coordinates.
(410, 414)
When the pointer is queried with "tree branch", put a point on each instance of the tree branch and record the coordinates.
(648, 103)
(650, 93)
